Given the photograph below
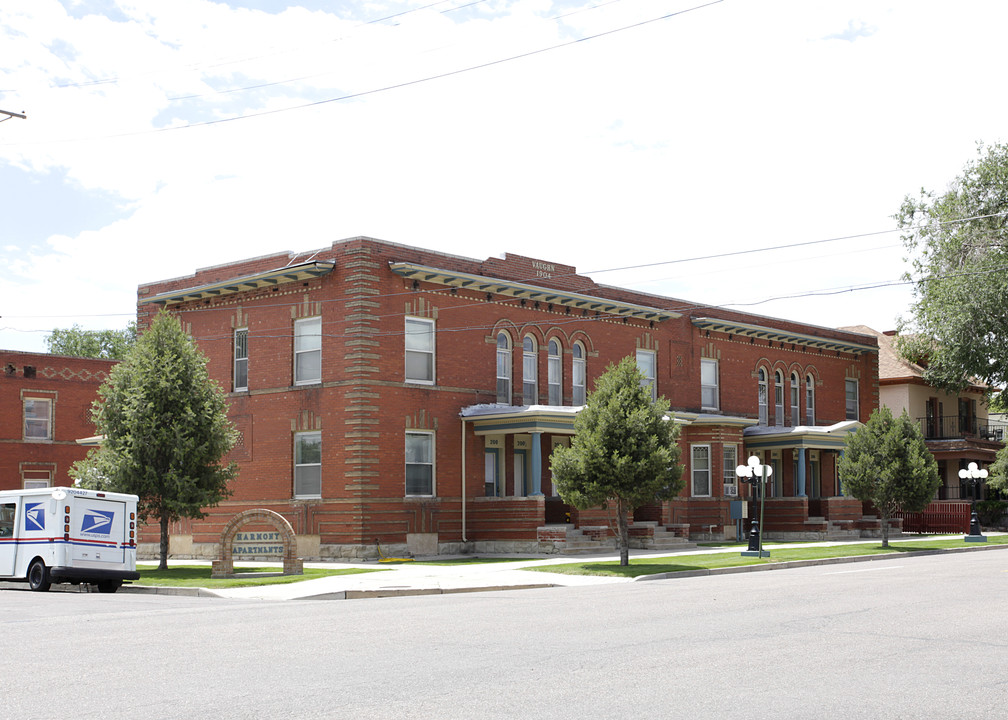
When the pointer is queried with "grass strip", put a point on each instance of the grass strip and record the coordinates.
(199, 576)
(732, 558)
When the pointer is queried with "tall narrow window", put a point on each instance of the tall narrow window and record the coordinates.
(778, 398)
(504, 368)
(809, 401)
(762, 397)
(308, 351)
(851, 394)
(308, 465)
(37, 419)
(554, 373)
(795, 397)
(709, 384)
(530, 371)
(729, 463)
(241, 359)
(579, 377)
(701, 469)
(419, 463)
(490, 474)
(646, 364)
(419, 350)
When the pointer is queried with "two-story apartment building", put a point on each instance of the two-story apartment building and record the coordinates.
(956, 426)
(392, 394)
(45, 403)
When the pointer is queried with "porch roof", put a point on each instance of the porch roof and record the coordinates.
(495, 419)
(816, 437)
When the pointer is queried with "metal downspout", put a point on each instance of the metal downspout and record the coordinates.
(464, 539)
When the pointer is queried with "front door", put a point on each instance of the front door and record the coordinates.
(519, 474)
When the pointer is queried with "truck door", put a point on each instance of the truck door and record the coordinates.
(8, 545)
(97, 530)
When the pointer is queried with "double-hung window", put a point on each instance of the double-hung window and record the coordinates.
(530, 373)
(241, 359)
(795, 396)
(778, 398)
(308, 465)
(419, 350)
(578, 378)
(308, 351)
(419, 463)
(701, 469)
(554, 373)
(709, 384)
(851, 394)
(809, 401)
(647, 365)
(503, 369)
(762, 396)
(38, 419)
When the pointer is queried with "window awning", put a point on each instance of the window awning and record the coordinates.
(574, 301)
(270, 278)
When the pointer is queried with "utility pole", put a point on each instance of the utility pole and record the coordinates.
(10, 115)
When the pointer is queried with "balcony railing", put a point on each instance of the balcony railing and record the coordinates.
(954, 427)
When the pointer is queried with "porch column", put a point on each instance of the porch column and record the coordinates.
(836, 473)
(536, 464)
(801, 473)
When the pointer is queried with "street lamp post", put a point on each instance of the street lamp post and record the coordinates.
(755, 474)
(973, 476)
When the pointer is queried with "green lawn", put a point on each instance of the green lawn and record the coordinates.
(199, 576)
(733, 558)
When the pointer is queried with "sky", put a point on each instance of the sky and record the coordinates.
(741, 153)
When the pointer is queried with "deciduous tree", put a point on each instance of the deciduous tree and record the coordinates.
(78, 342)
(624, 453)
(165, 429)
(959, 245)
(887, 464)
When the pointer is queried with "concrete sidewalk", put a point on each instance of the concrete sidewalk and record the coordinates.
(417, 579)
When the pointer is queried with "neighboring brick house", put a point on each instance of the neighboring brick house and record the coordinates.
(46, 402)
(397, 395)
(956, 426)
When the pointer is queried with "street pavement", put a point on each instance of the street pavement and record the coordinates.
(410, 578)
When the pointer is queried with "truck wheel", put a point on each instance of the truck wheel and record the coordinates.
(38, 576)
(109, 586)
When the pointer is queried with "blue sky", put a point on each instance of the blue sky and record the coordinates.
(163, 137)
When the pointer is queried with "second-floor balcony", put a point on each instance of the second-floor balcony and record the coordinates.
(953, 427)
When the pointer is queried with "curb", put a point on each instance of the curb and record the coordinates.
(789, 564)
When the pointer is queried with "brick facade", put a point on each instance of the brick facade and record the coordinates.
(363, 409)
(46, 402)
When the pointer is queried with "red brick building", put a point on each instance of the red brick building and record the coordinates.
(397, 395)
(46, 402)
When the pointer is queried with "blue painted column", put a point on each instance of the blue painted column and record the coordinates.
(801, 472)
(536, 464)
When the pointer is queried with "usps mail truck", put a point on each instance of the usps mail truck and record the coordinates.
(68, 535)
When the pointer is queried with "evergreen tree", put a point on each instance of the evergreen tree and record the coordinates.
(625, 451)
(887, 464)
(165, 429)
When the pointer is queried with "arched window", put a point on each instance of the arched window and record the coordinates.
(763, 396)
(554, 373)
(778, 398)
(809, 400)
(504, 368)
(795, 397)
(578, 395)
(530, 379)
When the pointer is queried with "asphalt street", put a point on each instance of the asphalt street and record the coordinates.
(910, 637)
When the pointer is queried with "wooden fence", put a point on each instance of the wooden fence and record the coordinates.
(938, 517)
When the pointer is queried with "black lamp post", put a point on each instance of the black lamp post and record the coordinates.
(973, 476)
(755, 474)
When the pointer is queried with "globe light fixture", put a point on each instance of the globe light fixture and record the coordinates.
(756, 474)
(973, 475)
